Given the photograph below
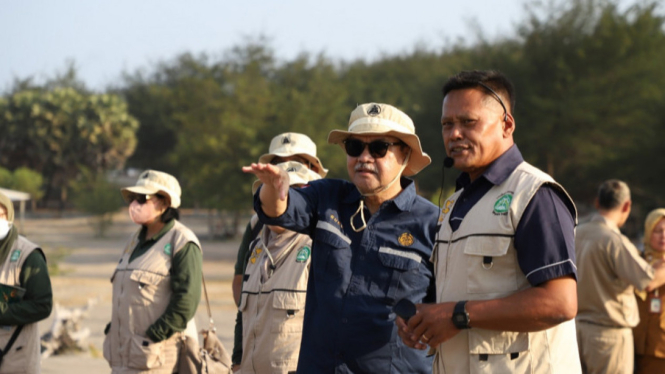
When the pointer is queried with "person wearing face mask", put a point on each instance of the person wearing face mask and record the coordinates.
(649, 335)
(157, 283)
(273, 292)
(372, 241)
(25, 296)
(288, 146)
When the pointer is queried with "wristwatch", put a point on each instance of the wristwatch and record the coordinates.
(460, 316)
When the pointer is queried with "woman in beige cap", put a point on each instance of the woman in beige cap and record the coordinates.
(25, 296)
(157, 283)
(273, 293)
(649, 334)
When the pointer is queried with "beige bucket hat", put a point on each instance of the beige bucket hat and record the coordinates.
(152, 182)
(298, 174)
(292, 144)
(384, 119)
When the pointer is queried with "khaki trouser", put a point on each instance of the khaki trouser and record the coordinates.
(605, 350)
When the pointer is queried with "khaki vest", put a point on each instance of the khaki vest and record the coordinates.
(479, 262)
(25, 354)
(272, 311)
(141, 293)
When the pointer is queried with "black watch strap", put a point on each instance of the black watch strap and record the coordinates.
(460, 315)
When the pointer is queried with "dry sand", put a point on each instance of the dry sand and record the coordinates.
(86, 263)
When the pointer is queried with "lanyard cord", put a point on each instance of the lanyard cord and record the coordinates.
(361, 209)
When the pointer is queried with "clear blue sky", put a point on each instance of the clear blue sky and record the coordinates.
(104, 38)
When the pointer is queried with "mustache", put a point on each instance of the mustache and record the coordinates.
(365, 166)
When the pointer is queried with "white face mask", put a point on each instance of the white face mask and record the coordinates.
(5, 226)
(142, 214)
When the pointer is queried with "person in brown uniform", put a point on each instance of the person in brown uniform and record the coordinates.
(650, 332)
(26, 296)
(157, 283)
(609, 268)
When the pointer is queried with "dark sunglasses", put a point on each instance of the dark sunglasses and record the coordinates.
(377, 148)
(141, 198)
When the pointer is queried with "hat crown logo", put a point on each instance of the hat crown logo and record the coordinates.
(286, 140)
(291, 170)
(146, 175)
(375, 110)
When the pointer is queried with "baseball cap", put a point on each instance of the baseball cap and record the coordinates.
(292, 144)
(152, 182)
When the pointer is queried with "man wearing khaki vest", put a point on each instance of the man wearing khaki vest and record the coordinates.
(610, 269)
(504, 256)
(25, 296)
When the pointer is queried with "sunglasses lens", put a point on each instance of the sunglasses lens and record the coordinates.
(354, 147)
(141, 199)
(378, 148)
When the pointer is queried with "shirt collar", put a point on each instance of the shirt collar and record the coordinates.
(403, 201)
(599, 218)
(168, 226)
(499, 170)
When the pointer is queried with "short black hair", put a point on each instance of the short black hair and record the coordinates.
(612, 193)
(493, 79)
(169, 214)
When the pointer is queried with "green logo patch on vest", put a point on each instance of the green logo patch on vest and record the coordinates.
(167, 249)
(303, 254)
(15, 255)
(502, 204)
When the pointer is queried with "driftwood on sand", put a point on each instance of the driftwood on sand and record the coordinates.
(66, 333)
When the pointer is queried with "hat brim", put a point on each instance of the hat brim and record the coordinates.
(418, 160)
(267, 157)
(127, 191)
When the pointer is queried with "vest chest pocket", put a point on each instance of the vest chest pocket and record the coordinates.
(491, 266)
(331, 255)
(288, 308)
(145, 287)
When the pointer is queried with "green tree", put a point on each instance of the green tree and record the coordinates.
(29, 181)
(55, 132)
(94, 194)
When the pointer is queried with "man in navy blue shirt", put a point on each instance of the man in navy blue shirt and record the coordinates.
(372, 241)
(505, 255)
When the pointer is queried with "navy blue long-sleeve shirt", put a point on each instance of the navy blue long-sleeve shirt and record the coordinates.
(356, 278)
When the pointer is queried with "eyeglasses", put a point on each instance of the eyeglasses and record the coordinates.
(140, 198)
(377, 148)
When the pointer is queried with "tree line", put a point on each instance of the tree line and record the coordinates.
(589, 84)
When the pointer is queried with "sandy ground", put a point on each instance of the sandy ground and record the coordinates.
(85, 264)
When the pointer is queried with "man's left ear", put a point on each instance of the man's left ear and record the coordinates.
(508, 125)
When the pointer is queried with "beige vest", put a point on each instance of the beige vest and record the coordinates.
(479, 262)
(141, 293)
(272, 311)
(25, 354)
